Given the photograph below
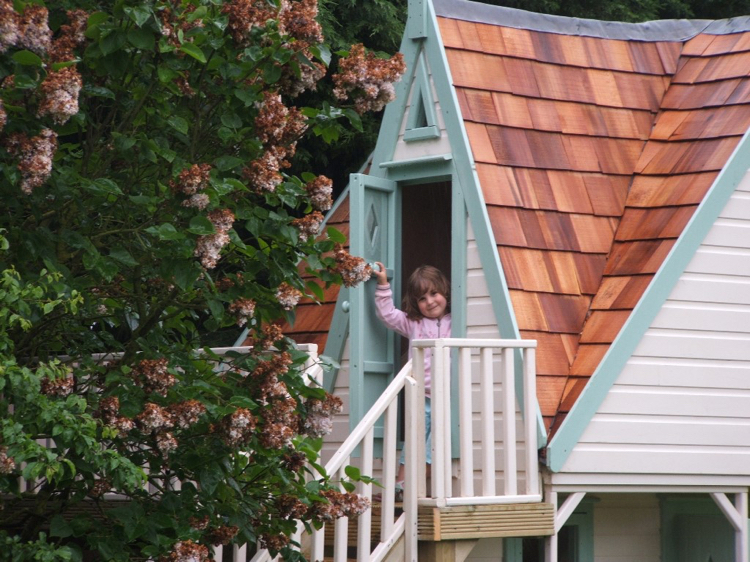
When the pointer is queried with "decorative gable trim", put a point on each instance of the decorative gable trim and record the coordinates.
(588, 403)
(422, 121)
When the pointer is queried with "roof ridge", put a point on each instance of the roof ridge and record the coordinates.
(657, 30)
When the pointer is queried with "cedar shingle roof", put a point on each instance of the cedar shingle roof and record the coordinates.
(593, 150)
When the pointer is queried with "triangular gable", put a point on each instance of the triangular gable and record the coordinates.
(642, 317)
(421, 119)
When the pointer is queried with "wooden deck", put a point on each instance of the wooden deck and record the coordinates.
(485, 521)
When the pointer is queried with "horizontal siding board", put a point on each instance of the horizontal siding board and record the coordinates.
(694, 344)
(704, 316)
(730, 233)
(659, 459)
(693, 373)
(701, 287)
(725, 261)
(668, 430)
(677, 402)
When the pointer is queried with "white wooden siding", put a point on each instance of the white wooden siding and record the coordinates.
(681, 405)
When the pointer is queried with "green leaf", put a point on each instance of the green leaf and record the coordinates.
(201, 225)
(179, 124)
(231, 120)
(316, 290)
(112, 42)
(27, 58)
(272, 73)
(123, 256)
(98, 91)
(59, 527)
(336, 235)
(226, 163)
(352, 472)
(141, 38)
(139, 14)
(165, 232)
(194, 51)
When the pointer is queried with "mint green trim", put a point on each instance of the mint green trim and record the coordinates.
(416, 21)
(432, 159)
(422, 121)
(422, 133)
(513, 549)
(337, 335)
(477, 209)
(643, 314)
(695, 506)
(583, 519)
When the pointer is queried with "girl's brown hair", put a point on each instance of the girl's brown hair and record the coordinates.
(423, 279)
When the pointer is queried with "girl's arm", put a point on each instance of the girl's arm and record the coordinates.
(391, 316)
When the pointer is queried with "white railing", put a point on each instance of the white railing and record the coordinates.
(488, 354)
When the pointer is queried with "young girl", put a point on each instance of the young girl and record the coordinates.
(425, 316)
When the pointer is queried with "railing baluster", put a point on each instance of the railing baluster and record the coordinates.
(488, 422)
(465, 423)
(418, 419)
(438, 424)
(529, 394)
(341, 529)
(509, 424)
(364, 522)
(447, 456)
(390, 461)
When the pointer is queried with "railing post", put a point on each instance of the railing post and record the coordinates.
(530, 435)
(438, 422)
(411, 477)
(510, 466)
(416, 453)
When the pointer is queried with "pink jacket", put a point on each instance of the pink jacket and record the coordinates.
(423, 329)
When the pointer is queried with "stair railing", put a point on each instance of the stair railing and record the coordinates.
(478, 359)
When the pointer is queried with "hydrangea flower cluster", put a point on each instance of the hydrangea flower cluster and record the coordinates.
(243, 310)
(60, 94)
(187, 551)
(34, 157)
(208, 247)
(153, 376)
(57, 387)
(109, 413)
(192, 182)
(340, 504)
(320, 191)
(319, 420)
(309, 225)
(237, 428)
(288, 296)
(367, 79)
(353, 270)
(7, 464)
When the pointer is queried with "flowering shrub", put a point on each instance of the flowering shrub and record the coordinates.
(148, 212)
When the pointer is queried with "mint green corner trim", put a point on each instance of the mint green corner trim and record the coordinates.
(647, 308)
(512, 549)
(477, 209)
(416, 21)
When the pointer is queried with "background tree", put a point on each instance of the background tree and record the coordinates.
(147, 206)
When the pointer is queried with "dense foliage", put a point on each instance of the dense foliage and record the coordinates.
(147, 209)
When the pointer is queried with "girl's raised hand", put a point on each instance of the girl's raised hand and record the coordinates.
(380, 274)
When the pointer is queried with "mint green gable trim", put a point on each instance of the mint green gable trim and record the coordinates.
(646, 310)
(474, 200)
(416, 22)
(422, 106)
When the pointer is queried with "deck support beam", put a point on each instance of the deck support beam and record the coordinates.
(561, 516)
(737, 515)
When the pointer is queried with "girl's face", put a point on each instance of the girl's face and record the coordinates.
(432, 304)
